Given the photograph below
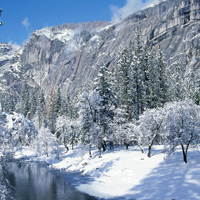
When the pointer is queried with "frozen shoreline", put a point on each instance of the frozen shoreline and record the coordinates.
(122, 174)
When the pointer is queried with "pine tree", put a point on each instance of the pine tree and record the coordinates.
(12, 103)
(181, 85)
(72, 105)
(122, 85)
(86, 123)
(162, 80)
(41, 108)
(58, 102)
(153, 80)
(140, 78)
(89, 117)
(51, 110)
(25, 104)
(137, 74)
(145, 69)
(103, 87)
(8, 103)
(197, 98)
(33, 104)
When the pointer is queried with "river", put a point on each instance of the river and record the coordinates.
(32, 181)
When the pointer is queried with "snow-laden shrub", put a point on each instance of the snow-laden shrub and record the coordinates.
(182, 125)
(67, 131)
(4, 192)
(45, 142)
(16, 131)
(151, 127)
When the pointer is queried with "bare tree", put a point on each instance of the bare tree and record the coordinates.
(182, 125)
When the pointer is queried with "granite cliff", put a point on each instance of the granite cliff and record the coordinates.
(70, 57)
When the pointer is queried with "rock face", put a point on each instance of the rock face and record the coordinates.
(70, 58)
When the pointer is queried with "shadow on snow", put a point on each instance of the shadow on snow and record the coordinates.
(171, 180)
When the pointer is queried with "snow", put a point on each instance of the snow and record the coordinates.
(129, 174)
(64, 35)
(9, 121)
(154, 3)
(45, 31)
(116, 172)
(24, 153)
(95, 38)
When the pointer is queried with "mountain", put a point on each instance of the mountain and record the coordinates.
(69, 55)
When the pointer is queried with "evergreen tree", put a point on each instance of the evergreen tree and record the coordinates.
(103, 88)
(89, 117)
(71, 112)
(25, 104)
(51, 110)
(146, 80)
(58, 102)
(71, 106)
(64, 107)
(33, 104)
(152, 82)
(41, 108)
(140, 78)
(181, 84)
(86, 123)
(162, 80)
(137, 74)
(122, 85)
(132, 77)
(12, 103)
(197, 98)
(8, 103)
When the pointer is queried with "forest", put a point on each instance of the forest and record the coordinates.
(139, 102)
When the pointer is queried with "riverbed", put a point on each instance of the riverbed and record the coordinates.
(35, 181)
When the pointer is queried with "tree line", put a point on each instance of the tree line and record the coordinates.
(141, 101)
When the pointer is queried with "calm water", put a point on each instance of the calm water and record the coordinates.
(31, 181)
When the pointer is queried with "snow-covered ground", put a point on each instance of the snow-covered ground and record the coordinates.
(129, 174)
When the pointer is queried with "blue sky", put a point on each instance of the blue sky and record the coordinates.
(20, 18)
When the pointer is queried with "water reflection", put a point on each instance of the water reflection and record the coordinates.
(30, 181)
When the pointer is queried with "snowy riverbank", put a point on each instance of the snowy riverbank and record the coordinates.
(129, 174)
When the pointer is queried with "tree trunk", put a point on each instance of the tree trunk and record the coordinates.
(103, 146)
(184, 153)
(65, 144)
(99, 151)
(149, 152)
(111, 145)
(47, 149)
(67, 147)
(90, 153)
(141, 148)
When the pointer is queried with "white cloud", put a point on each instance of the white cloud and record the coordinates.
(15, 46)
(130, 7)
(26, 23)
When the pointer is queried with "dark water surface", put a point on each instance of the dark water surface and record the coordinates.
(32, 181)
